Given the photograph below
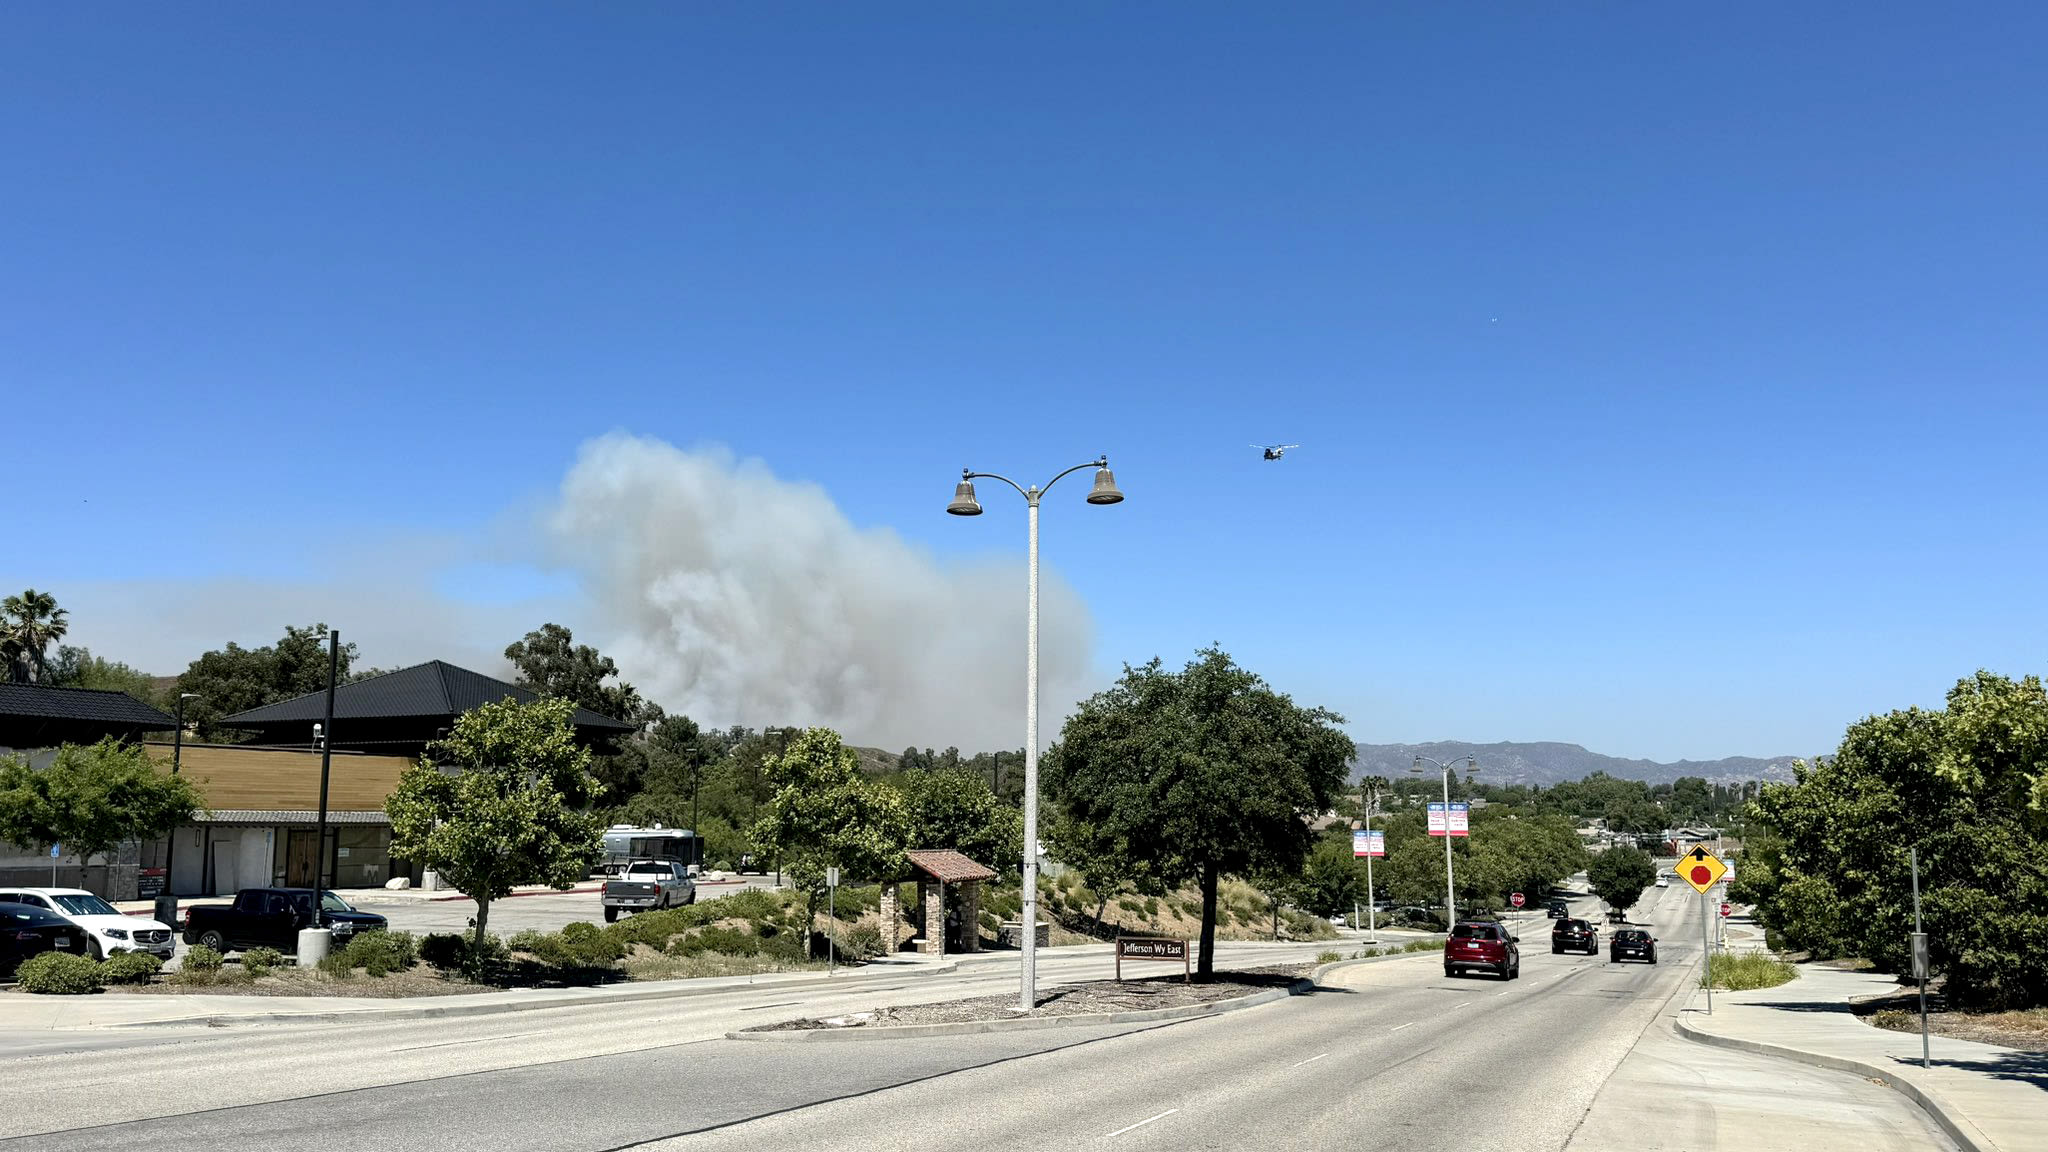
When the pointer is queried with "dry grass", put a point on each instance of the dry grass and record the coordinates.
(2026, 1030)
(644, 963)
(290, 981)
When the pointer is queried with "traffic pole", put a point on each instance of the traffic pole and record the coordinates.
(1707, 950)
(1920, 957)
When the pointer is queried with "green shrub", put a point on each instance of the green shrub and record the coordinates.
(1328, 957)
(860, 942)
(1742, 971)
(1130, 904)
(444, 950)
(1896, 1020)
(259, 961)
(200, 958)
(380, 953)
(1424, 946)
(730, 941)
(58, 974)
(129, 968)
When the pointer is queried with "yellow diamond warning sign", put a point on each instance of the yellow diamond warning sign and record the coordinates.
(1700, 868)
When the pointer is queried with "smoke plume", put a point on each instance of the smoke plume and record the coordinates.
(737, 597)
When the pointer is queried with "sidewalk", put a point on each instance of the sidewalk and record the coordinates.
(1989, 1099)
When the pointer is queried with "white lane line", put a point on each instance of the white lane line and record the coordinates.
(1501, 993)
(1454, 1007)
(1409, 1024)
(1310, 1060)
(1141, 1123)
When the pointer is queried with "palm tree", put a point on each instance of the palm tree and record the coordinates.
(29, 624)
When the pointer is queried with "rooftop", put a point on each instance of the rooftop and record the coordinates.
(433, 689)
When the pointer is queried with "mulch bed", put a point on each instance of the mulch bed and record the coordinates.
(1094, 997)
(2024, 1031)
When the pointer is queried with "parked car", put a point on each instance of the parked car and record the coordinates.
(751, 862)
(107, 930)
(1632, 944)
(273, 918)
(26, 931)
(648, 885)
(1577, 935)
(1482, 944)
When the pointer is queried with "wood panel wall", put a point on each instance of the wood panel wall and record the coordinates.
(232, 777)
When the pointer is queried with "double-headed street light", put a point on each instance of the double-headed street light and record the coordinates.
(965, 504)
(1450, 887)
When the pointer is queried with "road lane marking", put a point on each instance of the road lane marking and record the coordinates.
(778, 1004)
(1141, 1123)
(1502, 992)
(478, 1040)
(1310, 1060)
(1409, 1024)
(1454, 1007)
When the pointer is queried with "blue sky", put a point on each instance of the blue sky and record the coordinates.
(1669, 380)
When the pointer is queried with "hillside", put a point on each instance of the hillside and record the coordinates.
(1552, 763)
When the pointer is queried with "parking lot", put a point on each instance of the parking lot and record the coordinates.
(543, 913)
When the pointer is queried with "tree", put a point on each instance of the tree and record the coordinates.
(1184, 776)
(1332, 880)
(953, 808)
(551, 663)
(824, 812)
(29, 624)
(1833, 876)
(235, 679)
(1620, 875)
(1692, 800)
(510, 808)
(93, 797)
(79, 668)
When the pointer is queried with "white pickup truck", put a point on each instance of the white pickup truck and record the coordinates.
(644, 885)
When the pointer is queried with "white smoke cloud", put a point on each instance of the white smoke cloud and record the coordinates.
(737, 597)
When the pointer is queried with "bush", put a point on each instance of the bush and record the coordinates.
(259, 961)
(200, 958)
(1896, 1020)
(380, 953)
(444, 950)
(730, 941)
(58, 974)
(129, 968)
(860, 942)
(1742, 971)
(1328, 957)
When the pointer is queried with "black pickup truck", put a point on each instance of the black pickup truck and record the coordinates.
(272, 918)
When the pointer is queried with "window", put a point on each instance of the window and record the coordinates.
(1474, 932)
(276, 902)
(86, 904)
(33, 900)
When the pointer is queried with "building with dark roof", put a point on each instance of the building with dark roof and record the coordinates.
(35, 716)
(400, 713)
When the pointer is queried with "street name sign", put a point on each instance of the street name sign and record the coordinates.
(1152, 948)
(1700, 868)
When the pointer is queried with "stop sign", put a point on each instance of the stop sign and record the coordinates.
(1515, 899)
(1725, 908)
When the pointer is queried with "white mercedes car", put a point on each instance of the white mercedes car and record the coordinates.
(107, 930)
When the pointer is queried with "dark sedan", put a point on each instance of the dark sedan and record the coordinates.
(1632, 944)
(26, 932)
(1575, 936)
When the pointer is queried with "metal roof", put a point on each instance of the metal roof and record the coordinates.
(286, 816)
(949, 867)
(436, 689)
(87, 705)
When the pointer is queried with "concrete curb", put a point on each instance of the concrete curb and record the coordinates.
(1029, 1024)
(581, 998)
(1953, 1122)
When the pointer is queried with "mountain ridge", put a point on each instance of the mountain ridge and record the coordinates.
(1549, 762)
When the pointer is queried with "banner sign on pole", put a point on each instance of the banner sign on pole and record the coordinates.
(1436, 819)
(1461, 819)
(1368, 843)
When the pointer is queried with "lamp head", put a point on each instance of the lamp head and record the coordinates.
(964, 503)
(1105, 491)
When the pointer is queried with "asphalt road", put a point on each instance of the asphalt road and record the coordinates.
(1391, 1054)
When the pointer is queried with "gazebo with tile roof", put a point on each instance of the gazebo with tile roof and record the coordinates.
(935, 870)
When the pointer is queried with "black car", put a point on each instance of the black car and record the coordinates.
(26, 932)
(1558, 909)
(273, 918)
(1575, 935)
(1632, 944)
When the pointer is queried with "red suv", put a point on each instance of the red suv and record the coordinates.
(1482, 944)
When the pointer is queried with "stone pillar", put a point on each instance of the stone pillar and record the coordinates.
(970, 916)
(934, 917)
(887, 918)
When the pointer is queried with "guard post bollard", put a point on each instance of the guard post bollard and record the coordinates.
(314, 945)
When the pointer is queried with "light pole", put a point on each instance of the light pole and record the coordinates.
(1450, 888)
(167, 897)
(965, 504)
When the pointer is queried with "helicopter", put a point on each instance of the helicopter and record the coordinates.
(1275, 451)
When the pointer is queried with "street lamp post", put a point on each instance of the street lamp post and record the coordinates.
(167, 897)
(965, 504)
(1450, 887)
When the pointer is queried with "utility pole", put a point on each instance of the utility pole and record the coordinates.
(1920, 956)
